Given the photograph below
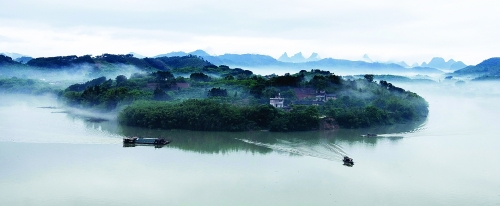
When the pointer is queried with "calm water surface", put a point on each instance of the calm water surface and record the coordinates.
(51, 157)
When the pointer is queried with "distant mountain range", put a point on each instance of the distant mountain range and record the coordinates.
(258, 60)
(299, 62)
(440, 63)
(436, 63)
(366, 58)
(245, 59)
(198, 52)
(489, 67)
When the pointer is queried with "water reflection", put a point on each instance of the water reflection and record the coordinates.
(320, 144)
(387, 132)
(200, 142)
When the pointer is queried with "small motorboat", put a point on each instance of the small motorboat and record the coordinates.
(348, 161)
(369, 135)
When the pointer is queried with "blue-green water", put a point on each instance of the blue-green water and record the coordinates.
(48, 157)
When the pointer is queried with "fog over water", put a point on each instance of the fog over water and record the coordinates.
(52, 156)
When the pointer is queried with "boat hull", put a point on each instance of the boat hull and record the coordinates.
(145, 141)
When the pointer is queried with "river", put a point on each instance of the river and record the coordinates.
(51, 157)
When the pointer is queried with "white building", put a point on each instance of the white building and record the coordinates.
(277, 101)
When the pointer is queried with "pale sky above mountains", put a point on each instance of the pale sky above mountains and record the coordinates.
(386, 30)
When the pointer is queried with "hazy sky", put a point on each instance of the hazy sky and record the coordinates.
(413, 31)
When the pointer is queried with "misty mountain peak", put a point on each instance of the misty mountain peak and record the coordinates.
(458, 65)
(403, 64)
(437, 61)
(366, 58)
(314, 57)
(440, 63)
(298, 57)
(284, 57)
(200, 53)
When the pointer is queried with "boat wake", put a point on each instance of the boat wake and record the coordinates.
(323, 149)
(414, 132)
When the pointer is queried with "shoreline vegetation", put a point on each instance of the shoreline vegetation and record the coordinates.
(194, 94)
(212, 115)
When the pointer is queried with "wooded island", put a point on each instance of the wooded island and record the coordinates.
(192, 94)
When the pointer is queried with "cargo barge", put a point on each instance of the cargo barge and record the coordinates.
(147, 141)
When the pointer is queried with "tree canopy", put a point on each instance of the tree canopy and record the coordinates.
(352, 103)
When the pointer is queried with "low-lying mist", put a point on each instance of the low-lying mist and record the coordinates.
(451, 88)
(343, 71)
(50, 101)
(69, 75)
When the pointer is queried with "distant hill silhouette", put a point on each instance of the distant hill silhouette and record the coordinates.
(366, 58)
(7, 61)
(23, 60)
(13, 55)
(172, 54)
(199, 53)
(402, 63)
(457, 65)
(284, 58)
(136, 55)
(298, 58)
(247, 59)
(489, 67)
(17, 57)
(440, 63)
(314, 57)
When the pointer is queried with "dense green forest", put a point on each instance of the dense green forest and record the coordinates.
(214, 115)
(228, 103)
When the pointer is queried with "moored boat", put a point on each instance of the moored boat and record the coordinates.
(142, 140)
